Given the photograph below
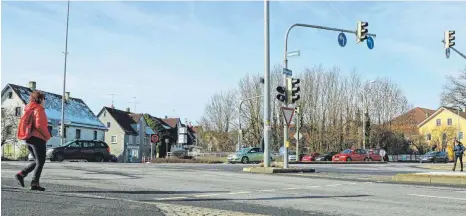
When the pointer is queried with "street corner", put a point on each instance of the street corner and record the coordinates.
(271, 170)
(447, 178)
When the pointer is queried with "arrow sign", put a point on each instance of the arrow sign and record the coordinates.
(288, 114)
(342, 39)
(447, 53)
(370, 42)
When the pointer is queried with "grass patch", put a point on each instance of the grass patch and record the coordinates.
(180, 160)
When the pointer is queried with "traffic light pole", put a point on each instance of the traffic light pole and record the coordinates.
(285, 127)
(459, 53)
(267, 128)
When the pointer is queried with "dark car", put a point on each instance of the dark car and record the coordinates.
(326, 156)
(434, 156)
(90, 150)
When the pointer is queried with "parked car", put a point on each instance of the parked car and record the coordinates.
(247, 155)
(434, 156)
(310, 157)
(374, 155)
(326, 156)
(291, 156)
(89, 150)
(350, 155)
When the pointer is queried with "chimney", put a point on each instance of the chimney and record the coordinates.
(67, 96)
(166, 117)
(32, 85)
(128, 110)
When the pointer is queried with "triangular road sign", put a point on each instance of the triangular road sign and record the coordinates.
(288, 114)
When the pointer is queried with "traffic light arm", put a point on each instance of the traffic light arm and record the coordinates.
(459, 53)
(316, 27)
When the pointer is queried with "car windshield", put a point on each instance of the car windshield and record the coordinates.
(347, 151)
(292, 153)
(67, 143)
(431, 153)
(244, 150)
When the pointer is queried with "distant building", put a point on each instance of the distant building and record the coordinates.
(80, 122)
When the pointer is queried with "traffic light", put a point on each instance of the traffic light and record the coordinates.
(361, 31)
(281, 96)
(449, 39)
(293, 90)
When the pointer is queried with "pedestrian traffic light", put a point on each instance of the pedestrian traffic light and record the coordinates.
(361, 31)
(281, 96)
(449, 39)
(293, 91)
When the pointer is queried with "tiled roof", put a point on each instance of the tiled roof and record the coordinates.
(171, 121)
(124, 119)
(76, 111)
(136, 117)
(414, 116)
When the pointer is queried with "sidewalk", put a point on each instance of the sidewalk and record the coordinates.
(438, 177)
(448, 166)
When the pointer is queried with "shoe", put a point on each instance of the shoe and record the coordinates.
(20, 178)
(37, 188)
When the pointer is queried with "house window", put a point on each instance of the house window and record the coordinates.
(18, 111)
(429, 137)
(10, 95)
(460, 136)
(108, 124)
(137, 127)
(439, 122)
(78, 133)
(95, 135)
(449, 121)
(113, 139)
(137, 140)
(8, 130)
(105, 114)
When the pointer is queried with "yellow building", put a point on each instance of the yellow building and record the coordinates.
(442, 127)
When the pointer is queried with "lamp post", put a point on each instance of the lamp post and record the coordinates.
(364, 116)
(64, 78)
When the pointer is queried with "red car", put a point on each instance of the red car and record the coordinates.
(310, 157)
(352, 155)
(374, 155)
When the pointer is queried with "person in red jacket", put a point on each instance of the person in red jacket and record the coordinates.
(37, 141)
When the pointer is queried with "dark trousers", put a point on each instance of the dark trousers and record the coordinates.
(37, 147)
(460, 157)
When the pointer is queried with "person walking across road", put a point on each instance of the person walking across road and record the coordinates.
(33, 129)
(459, 151)
(382, 153)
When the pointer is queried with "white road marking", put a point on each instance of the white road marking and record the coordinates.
(206, 195)
(461, 191)
(315, 186)
(290, 188)
(439, 197)
(267, 190)
(333, 185)
(171, 198)
(241, 192)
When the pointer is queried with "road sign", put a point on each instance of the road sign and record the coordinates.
(370, 42)
(288, 114)
(294, 53)
(296, 136)
(287, 72)
(342, 39)
(447, 52)
(154, 138)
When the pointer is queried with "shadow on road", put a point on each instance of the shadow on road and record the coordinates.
(144, 192)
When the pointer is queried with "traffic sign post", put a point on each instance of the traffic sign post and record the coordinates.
(370, 43)
(447, 52)
(342, 39)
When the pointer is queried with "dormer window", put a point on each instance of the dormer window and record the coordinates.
(10, 95)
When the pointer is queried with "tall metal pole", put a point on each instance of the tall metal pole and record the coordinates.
(267, 85)
(457, 51)
(297, 132)
(64, 78)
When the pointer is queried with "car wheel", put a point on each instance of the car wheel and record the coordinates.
(59, 157)
(446, 160)
(348, 159)
(245, 160)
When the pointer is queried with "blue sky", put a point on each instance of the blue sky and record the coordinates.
(172, 56)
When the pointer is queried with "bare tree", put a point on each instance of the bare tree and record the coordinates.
(454, 93)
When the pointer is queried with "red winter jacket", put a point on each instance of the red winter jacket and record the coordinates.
(40, 129)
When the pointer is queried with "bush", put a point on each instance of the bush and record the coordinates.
(180, 160)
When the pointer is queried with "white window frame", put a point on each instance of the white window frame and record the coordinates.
(116, 139)
(138, 141)
(438, 122)
(130, 139)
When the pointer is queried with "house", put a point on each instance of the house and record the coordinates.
(128, 134)
(182, 129)
(407, 123)
(443, 126)
(80, 121)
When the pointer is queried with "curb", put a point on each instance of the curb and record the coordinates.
(338, 162)
(271, 170)
(431, 178)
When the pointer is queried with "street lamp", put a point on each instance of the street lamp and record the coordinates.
(64, 78)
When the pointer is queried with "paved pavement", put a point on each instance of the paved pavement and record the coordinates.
(189, 189)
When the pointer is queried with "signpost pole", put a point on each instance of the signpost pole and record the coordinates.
(297, 133)
(267, 85)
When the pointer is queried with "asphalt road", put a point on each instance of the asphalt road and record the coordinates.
(194, 189)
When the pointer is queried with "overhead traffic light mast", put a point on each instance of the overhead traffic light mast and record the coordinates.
(449, 39)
